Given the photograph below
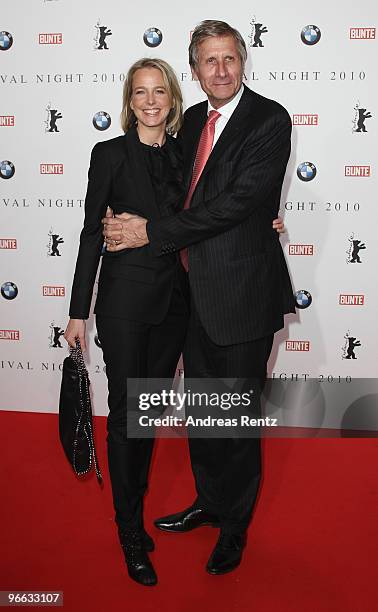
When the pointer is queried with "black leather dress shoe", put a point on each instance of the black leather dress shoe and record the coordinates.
(227, 553)
(138, 564)
(188, 519)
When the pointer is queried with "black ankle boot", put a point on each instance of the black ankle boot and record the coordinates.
(148, 542)
(138, 563)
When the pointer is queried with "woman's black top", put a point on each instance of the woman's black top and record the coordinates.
(162, 165)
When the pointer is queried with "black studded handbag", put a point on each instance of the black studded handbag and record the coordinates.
(75, 415)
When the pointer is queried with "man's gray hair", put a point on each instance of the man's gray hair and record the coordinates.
(212, 27)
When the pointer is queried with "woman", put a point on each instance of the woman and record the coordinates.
(142, 301)
(141, 308)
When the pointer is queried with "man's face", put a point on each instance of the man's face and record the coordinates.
(219, 69)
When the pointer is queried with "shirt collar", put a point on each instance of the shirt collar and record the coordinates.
(227, 109)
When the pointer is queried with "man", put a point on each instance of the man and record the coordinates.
(236, 147)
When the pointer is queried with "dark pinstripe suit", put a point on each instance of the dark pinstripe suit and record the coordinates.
(237, 271)
(238, 277)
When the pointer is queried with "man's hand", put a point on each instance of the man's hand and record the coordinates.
(124, 231)
(279, 225)
(127, 231)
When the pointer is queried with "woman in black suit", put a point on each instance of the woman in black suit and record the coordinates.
(141, 307)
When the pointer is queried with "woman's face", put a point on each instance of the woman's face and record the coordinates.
(150, 99)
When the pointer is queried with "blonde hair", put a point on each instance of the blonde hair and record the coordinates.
(174, 119)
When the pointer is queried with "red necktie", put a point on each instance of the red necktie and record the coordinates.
(204, 149)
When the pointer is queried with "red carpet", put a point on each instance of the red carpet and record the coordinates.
(312, 544)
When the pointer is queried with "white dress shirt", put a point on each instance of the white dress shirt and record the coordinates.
(226, 112)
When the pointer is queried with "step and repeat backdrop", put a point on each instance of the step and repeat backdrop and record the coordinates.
(62, 67)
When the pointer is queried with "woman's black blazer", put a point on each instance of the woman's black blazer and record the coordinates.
(133, 283)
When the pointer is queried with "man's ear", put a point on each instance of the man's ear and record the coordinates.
(194, 74)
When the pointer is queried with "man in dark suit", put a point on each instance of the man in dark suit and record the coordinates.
(236, 147)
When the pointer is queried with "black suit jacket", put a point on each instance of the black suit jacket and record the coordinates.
(134, 283)
(237, 270)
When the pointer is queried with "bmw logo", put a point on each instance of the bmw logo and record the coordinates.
(9, 290)
(303, 299)
(97, 341)
(101, 121)
(6, 41)
(152, 37)
(306, 171)
(310, 35)
(7, 169)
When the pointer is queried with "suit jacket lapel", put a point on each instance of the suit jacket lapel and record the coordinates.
(233, 126)
(191, 140)
(138, 170)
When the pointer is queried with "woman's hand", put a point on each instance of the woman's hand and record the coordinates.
(279, 225)
(76, 329)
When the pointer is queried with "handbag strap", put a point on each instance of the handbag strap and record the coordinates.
(77, 356)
